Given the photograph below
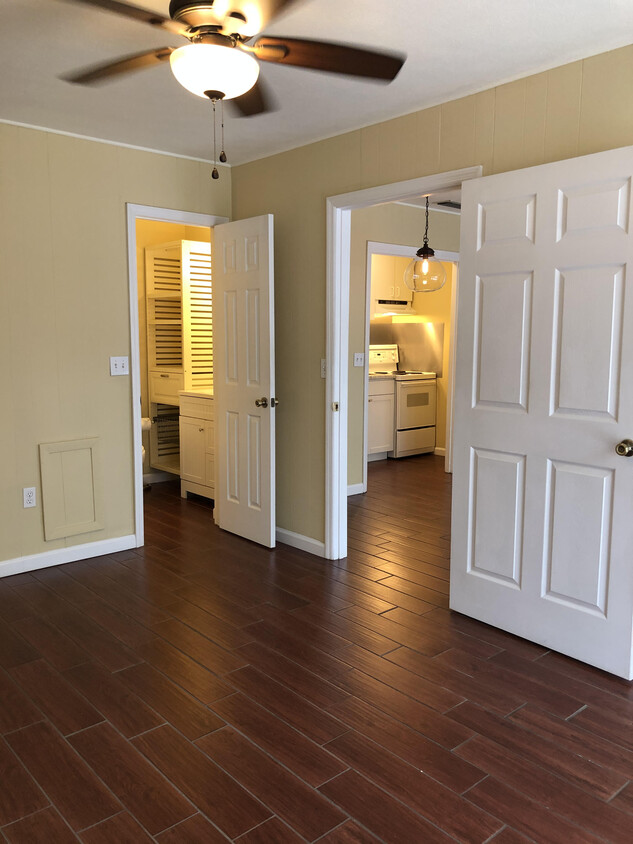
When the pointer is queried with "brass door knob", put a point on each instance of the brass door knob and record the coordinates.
(263, 402)
(625, 448)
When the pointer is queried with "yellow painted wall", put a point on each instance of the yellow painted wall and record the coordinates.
(583, 107)
(392, 223)
(64, 309)
(154, 233)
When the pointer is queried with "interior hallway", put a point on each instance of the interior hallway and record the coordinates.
(202, 689)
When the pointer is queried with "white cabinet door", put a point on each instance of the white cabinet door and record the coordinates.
(192, 450)
(542, 527)
(380, 431)
(244, 378)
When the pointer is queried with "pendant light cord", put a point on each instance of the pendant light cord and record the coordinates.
(426, 228)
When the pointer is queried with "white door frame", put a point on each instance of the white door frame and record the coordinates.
(161, 215)
(399, 251)
(339, 211)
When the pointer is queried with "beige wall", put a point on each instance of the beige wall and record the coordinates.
(393, 223)
(64, 310)
(580, 108)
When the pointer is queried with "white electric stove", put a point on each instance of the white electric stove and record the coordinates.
(415, 401)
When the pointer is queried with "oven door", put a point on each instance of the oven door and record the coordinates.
(415, 404)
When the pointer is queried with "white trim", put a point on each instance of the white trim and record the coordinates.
(112, 143)
(338, 213)
(69, 554)
(440, 452)
(356, 489)
(163, 215)
(298, 540)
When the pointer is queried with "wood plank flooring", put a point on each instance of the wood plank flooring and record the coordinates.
(203, 690)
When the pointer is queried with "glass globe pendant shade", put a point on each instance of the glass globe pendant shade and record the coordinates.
(213, 67)
(425, 273)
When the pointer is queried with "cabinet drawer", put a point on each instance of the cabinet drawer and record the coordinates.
(381, 387)
(200, 408)
(164, 386)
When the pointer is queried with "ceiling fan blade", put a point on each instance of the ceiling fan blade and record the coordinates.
(324, 55)
(256, 101)
(103, 72)
(136, 13)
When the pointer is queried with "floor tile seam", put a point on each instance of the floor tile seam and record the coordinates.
(287, 770)
(618, 792)
(90, 768)
(238, 839)
(359, 824)
(184, 820)
(177, 683)
(195, 630)
(570, 675)
(404, 805)
(286, 722)
(524, 754)
(253, 741)
(569, 819)
(157, 770)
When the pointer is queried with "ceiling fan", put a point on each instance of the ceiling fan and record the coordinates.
(220, 61)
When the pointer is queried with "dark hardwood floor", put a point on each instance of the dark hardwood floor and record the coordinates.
(202, 689)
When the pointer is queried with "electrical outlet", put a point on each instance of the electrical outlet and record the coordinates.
(29, 497)
(359, 359)
(323, 368)
(119, 366)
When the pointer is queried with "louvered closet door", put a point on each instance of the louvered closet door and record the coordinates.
(163, 273)
(197, 306)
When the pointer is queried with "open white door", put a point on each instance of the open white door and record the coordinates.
(542, 505)
(244, 378)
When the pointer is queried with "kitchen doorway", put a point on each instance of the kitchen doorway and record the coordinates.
(339, 210)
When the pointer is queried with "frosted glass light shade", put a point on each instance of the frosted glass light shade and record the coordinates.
(211, 67)
(425, 275)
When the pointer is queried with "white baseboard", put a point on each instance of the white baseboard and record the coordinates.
(298, 540)
(66, 555)
(355, 489)
(441, 452)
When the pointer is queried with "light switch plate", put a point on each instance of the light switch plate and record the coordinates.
(119, 366)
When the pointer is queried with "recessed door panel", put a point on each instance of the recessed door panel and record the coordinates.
(496, 516)
(233, 457)
(506, 220)
(229, 256)
(503, 307)
(253, 342)
(598, 207)
(254, 446)
(587, 338)
(231, 337)
(576, 559)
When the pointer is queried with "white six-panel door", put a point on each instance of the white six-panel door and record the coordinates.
(244, 375)
(542, 505)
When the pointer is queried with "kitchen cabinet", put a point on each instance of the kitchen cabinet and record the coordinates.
(387, 279)
(197, 443)
(381, 417)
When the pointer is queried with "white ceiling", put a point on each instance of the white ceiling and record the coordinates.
(454, 47)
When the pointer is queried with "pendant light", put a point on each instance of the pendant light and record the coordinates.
(425, 273)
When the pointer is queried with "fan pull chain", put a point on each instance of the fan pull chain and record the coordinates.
(214, 172)
(222, 153)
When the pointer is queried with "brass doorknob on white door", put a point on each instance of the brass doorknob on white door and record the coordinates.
(263, 402)
(625, 448)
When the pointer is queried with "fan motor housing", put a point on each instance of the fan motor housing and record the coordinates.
(193, 14)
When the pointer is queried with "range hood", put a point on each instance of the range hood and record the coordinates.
(388, 307)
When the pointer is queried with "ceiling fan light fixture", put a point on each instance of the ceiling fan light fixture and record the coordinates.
(211, 67)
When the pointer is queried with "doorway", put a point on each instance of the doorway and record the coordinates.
(136, 213)
(339, 209)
